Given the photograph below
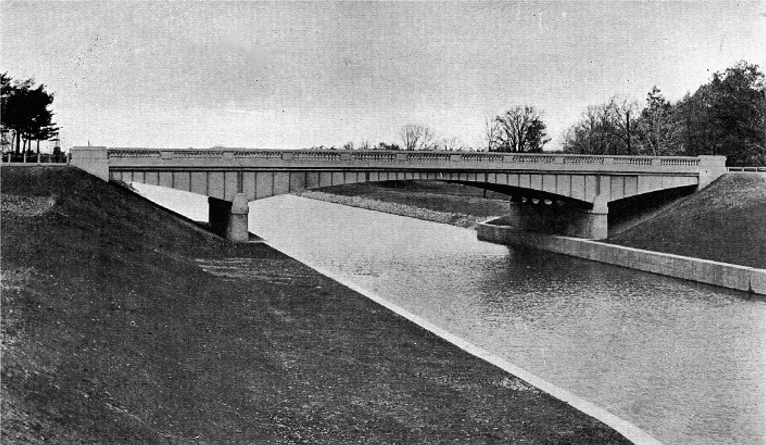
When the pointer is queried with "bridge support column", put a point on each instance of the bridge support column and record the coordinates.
(229, 219)
(588, 224)
(593, 223)
(555, 219)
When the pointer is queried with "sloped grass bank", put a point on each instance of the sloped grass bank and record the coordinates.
(445, 203)
(124, 324)
(724, 222)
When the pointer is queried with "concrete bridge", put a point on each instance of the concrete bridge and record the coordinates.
(576, 188)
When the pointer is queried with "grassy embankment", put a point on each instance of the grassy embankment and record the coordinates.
(723, 223)
(435, 201)
(122, 323)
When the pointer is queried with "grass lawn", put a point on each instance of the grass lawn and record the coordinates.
(431, 195)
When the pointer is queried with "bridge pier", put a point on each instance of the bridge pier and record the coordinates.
(229, 219)
(556, 218)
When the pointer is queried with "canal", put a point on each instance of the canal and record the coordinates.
(684, 362)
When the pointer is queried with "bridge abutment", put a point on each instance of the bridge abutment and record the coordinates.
(94, 160)
(230, 219)
(556, 218)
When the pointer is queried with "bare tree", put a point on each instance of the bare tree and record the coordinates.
(623, 116)
(365, 145)
(451, 144)
(521, 129)
(588, 136)
(416, 137)
(606, 129)
(659, 129)
(427, 142)
(490, 134)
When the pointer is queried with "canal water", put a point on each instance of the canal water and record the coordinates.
(684, 362)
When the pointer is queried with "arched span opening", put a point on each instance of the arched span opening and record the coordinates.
(431, 194)
(524, 208)
(520, 194)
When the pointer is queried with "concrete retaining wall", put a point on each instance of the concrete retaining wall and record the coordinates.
(730, 276)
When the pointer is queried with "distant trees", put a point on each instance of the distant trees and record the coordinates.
(416, 137)
(489, 136)
(519, 129)
(726, 116)
(25, 113)
(450, 144)
(606, 129)
(660, 133)
(387, 146)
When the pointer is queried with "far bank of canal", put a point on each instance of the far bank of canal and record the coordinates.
(681, 361)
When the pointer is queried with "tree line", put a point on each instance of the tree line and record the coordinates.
(726, 116)
(519, 129)
(25, 116)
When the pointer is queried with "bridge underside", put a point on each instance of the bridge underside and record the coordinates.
(573, 204)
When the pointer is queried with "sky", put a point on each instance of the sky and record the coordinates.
(177, 74)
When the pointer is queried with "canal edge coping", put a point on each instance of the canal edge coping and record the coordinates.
(622, 426)
(730, 276)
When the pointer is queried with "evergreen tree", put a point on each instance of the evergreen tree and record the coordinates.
(25, 112)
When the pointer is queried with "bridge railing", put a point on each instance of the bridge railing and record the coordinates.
(481, 160)
(747, 169)
(34, 158)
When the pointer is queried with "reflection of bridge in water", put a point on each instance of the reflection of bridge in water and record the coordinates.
(580, 188)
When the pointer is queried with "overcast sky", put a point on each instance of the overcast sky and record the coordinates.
(293, 75)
